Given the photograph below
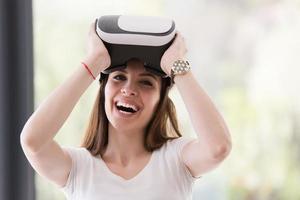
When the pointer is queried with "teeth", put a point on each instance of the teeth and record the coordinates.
(127, 105)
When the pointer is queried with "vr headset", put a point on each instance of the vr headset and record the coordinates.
(143, 37)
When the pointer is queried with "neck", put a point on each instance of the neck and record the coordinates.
(124, 146)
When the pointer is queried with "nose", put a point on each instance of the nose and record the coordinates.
(128, 90)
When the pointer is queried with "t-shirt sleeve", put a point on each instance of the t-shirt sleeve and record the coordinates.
(78, 157)
(177, 146)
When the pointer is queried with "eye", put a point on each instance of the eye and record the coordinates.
(146, 82)
(119, 77)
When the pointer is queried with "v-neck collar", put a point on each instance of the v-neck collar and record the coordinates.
(122, 179)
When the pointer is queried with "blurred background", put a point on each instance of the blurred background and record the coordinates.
(244, 53)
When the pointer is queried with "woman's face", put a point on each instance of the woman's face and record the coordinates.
(131, 97)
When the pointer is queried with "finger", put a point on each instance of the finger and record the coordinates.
(179, 37)
(92, 27)
(179, 34)
(95, 24)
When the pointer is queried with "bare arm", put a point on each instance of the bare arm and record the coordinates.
(44, 154)
(213, 143)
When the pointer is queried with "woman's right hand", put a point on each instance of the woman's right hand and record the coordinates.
(97, 55)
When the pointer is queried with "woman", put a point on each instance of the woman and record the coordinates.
(132, 148)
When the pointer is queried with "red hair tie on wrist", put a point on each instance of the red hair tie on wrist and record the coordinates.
(90, 72)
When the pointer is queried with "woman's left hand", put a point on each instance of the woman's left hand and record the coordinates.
(176, 51)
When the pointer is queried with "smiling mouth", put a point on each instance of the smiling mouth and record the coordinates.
(126, 108)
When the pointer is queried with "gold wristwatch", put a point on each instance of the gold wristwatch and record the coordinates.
(179, 67)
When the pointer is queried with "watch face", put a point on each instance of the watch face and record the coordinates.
(180, 67)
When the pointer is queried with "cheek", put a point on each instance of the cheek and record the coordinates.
(110, 89)
(152, 101)
(108, 98)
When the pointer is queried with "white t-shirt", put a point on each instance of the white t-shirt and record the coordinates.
(164, 177)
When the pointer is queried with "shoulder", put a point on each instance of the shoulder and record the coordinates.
(76, 152)
(171, 156)
(180, 140)
(81, 160)
(177, 144)
(171, 150)
(80, 157)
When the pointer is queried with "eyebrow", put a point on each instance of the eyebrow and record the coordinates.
(141, 74)
(148, 74)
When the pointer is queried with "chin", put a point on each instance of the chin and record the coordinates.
(125, 126)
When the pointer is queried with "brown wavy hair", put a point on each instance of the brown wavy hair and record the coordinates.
(162, 127)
